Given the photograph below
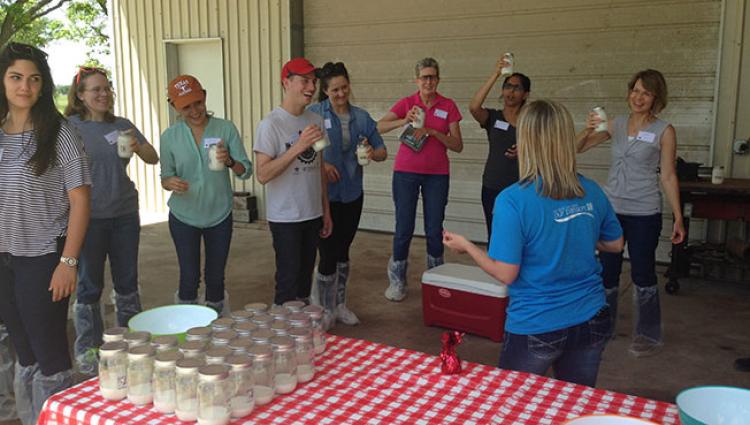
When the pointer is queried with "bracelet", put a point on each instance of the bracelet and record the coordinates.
(231, 162)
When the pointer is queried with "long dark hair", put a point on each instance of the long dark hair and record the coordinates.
(77, 86)
(326, 73)
(45, 117)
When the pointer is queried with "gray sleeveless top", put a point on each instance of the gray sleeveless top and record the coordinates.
(633, 182)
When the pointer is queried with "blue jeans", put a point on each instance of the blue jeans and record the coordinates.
(295, 245)
(406, 188)
(116, 238)
(574, 353)
(187, 242)
(641, 233)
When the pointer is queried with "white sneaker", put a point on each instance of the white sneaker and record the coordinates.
(346, 316)
(395, 293)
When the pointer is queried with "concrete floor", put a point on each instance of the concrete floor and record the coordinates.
(706, 325)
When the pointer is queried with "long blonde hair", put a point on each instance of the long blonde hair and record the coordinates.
(546, 150)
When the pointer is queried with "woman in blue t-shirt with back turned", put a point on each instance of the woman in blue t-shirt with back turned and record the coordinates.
(553, 221)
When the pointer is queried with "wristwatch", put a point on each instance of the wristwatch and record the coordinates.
(69, 261)
(231, 162)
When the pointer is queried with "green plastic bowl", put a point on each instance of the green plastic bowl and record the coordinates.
(714, 405)
(172, 319)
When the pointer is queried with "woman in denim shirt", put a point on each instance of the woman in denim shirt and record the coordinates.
(344, 175)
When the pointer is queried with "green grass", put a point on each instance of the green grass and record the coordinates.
(61, 101)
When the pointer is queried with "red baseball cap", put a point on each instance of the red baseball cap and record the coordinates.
(297, 66)
(184, 90)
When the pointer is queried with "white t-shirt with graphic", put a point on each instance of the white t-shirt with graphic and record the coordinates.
(294, 195)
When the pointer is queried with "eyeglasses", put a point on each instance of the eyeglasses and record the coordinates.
(100, 90)
(426, 78)
(26, 50)
(87, 70)
(514, 87)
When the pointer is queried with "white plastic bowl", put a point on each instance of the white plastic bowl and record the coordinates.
(172, 319)
(714, 405)
(608, 420)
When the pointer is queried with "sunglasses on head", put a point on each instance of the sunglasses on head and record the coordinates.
(26, 50)
(88, 70)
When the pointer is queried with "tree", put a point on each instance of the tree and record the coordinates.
(29, 21)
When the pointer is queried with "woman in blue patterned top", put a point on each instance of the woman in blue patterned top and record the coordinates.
(347, 126)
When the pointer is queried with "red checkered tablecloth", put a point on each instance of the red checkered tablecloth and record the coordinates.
(363, 382)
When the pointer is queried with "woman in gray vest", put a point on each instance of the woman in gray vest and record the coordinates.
(115, 227)
(643, 155)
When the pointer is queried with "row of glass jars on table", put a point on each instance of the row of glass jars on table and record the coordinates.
(273, 361)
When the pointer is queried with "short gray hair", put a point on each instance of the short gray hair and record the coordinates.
(427, 63)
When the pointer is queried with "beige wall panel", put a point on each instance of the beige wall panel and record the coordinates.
(255, 40)
(581, 52)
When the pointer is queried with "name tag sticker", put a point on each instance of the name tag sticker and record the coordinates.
(208, 141)
(111, 137)
(327, 124)
(502, 125)
(441, 113)
(646, 136)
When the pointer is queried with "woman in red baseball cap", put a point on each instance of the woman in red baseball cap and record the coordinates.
(195, 154)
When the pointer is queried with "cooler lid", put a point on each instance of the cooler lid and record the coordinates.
(465, 278)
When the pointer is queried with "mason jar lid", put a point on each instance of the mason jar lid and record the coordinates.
(217, 352)
(114, 347)
(240, 344)
(241, 316)
(165, 341)
(115, 334)
(222, 324)
(198, 346)
(314, 311)
(136, 337)
(199, 332)
(294, 306)
(299, 320)
(245, 328)
(213, 372)
(256, 307)
(238, 361)
(224, 336)
(140, 352)
(262, 320)
(282, 343)
(279, 312)
(301, 335)
(280, 324)
(262, 336)
(188, 365)
(167, 358)
(260, 352)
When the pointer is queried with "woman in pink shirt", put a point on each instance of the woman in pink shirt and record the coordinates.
(425, 170)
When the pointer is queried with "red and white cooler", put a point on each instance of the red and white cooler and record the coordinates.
(464, 298)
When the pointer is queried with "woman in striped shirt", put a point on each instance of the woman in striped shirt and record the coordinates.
(43, 219)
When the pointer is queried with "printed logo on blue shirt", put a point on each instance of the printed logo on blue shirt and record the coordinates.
(570, 212)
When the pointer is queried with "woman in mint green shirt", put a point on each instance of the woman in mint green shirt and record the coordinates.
(201, 202)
